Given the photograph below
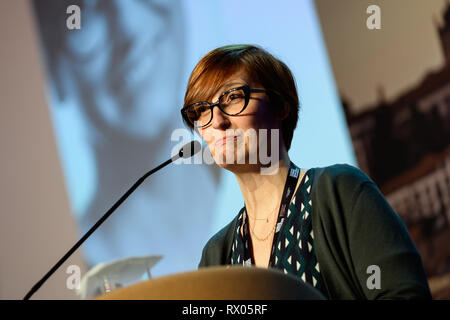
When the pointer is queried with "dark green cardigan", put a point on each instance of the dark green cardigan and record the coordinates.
(354, 227)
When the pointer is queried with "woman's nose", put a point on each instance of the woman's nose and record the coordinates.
(220, 120)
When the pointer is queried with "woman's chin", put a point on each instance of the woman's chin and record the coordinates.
(226, 159)
(238, 163)
(235, 157)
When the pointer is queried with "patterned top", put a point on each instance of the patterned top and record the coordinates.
(293, 243)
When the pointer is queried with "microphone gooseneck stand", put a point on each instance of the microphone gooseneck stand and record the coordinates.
(186, 151)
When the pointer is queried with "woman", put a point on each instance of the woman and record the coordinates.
(330, 226)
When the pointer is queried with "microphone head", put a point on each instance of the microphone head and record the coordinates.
(189, 149)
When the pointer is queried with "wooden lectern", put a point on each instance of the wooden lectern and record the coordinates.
(220, 283)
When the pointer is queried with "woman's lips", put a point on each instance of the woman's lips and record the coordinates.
(222, 141)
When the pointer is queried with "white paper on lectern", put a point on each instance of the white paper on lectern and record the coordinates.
(123, 271)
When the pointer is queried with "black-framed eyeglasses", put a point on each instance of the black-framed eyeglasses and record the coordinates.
(232, 102)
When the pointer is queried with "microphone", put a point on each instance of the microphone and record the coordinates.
(187, 151)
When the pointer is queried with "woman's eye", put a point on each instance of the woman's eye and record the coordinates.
(235, 96)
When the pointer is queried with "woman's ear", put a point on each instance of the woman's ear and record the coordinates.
(280, 109)
(282, 112)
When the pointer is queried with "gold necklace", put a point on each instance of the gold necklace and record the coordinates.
(267, 220)
(266, 237)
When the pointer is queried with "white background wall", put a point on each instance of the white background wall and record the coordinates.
(36, 226)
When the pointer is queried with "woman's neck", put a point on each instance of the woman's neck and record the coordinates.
(262, 193)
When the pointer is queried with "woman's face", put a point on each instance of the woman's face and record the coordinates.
(249, 133)
(126, 59)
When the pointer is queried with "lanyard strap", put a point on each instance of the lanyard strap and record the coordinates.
(289, 188)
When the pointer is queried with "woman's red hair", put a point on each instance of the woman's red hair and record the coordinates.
(272, 74)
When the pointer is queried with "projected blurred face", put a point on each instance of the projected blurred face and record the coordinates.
(240, 134)
(127, 58)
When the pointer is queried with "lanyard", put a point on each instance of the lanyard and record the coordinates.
(289, 188)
